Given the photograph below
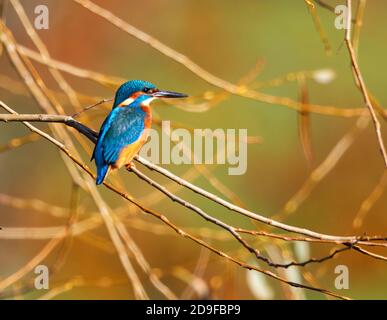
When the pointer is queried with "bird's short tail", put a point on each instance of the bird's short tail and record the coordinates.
(101, 173)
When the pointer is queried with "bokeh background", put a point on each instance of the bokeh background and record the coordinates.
(228, 39)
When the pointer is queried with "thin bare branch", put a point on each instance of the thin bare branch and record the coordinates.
(164, 219)
(359, 79)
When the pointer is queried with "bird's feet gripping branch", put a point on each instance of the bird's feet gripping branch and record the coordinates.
(126, 128)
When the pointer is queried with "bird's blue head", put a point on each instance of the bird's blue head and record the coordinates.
(140, 92)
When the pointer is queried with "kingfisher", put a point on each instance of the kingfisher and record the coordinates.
(126, 128)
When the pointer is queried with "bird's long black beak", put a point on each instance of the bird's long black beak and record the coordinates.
(168, 94)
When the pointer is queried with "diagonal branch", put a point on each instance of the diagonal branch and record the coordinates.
(360, 81)
(92, 135)
(165, 220)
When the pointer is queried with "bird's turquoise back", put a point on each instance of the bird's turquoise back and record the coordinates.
(122, 127)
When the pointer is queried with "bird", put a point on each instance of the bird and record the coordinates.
(126, 128)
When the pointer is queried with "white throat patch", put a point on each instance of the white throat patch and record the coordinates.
(127, 102)
(146, 102)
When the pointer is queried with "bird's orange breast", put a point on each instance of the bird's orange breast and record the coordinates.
(127, 153)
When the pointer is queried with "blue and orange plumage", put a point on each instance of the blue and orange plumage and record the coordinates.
(126, 128)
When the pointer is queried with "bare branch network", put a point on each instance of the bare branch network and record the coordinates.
(65, 139)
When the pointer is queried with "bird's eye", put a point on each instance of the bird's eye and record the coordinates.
(146, 89)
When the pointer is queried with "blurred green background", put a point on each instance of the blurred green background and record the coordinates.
(227, 38)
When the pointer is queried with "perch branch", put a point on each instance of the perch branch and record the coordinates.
(92, 135)
(161, 217)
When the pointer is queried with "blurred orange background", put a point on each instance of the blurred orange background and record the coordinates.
(228, 39)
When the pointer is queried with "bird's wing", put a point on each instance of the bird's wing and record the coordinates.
(102, 131)
(122, 127)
